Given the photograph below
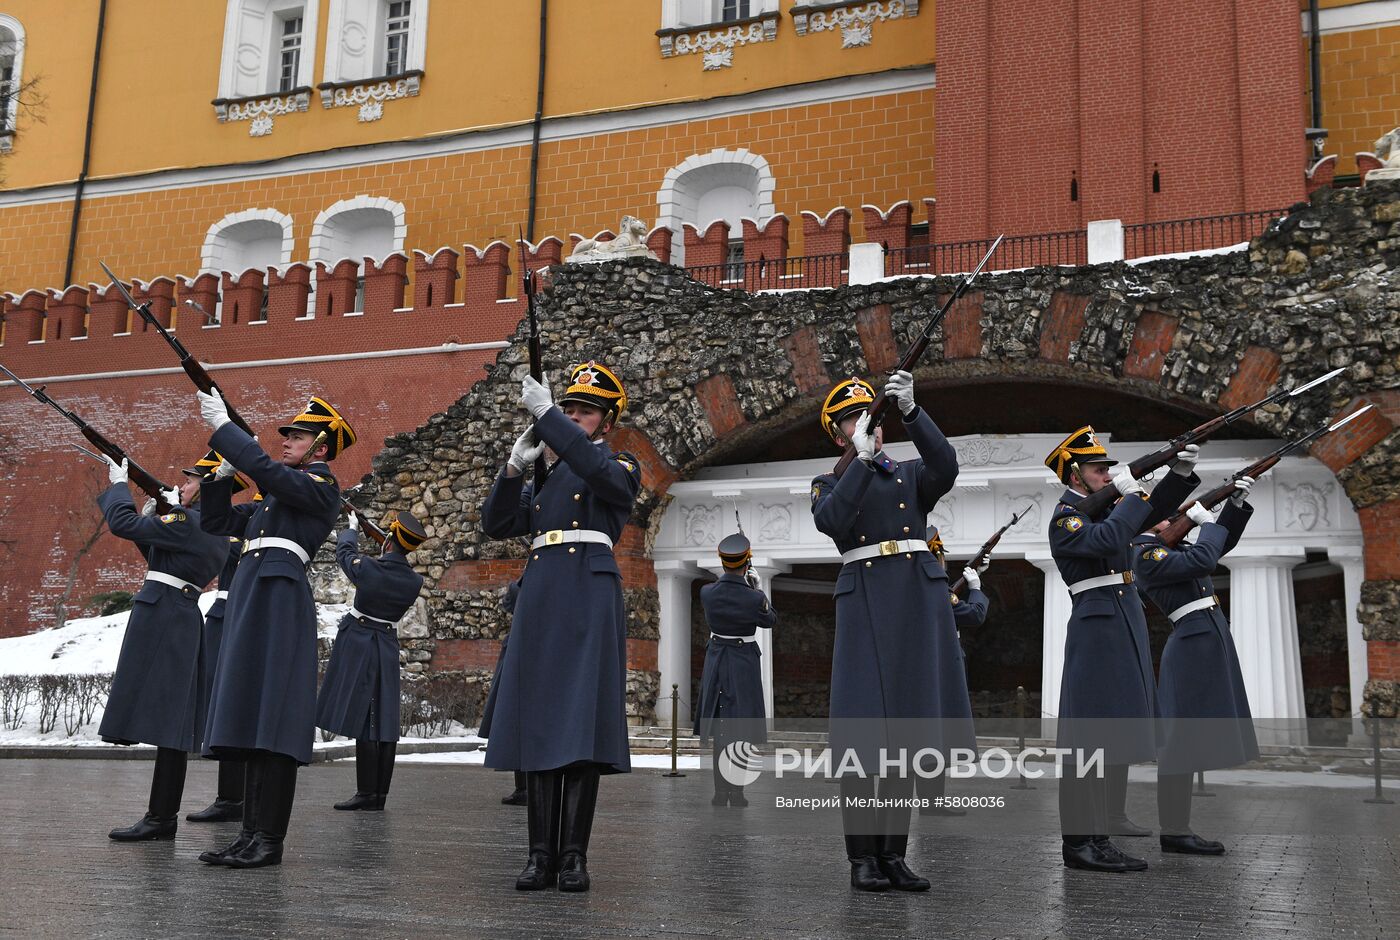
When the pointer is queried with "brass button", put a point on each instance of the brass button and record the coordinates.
(908, 555)
(867, 564)
(906, 528)
(1120, 593)
(539, 531)
(266, 508)
(862, 538)
(537, 558)
(575, 523)
(898, 480)
(578, 496)
(572, 549)
(537, 507)
(257, 554)
(901, 505)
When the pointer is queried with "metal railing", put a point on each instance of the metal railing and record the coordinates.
(1146, 239)
(1017, 251)
(779, 273)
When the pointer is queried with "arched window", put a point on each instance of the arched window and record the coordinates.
(253, 238)
(722, 184)
(269, 47)
(359, 228)
(11, 75)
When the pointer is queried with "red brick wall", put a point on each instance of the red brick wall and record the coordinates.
(1034, 93)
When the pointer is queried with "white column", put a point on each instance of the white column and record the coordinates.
(767, 569)
(1353, 567)
(673, 651)
(1264, 623)
(1054, 630)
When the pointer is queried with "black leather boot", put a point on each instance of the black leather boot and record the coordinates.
(387, 752)
(163, 807)
(575, 826)
(518, 795)
(542, 823)
(1084, 853)
(277, 789)
(228, 803)
(1116, 801)
(366, 774)
(893, 866)
(721, 797)
(252, 788)
(866, 875)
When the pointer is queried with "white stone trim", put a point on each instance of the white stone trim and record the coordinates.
(11, 116)
(267, 42)
(673, 201)
(822, 220)
(716, 44)
(855, 19)
(489, 138)
(214, 238)
(352, 25)
(1371, 15)
(671, 12)
(316, 246)
(884, 214)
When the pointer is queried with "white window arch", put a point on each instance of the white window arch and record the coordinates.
(721, 184)
(11, 73)
(375, 38)
(253, 238)
(359, 228)
(269, 47)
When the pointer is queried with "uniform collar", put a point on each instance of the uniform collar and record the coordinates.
(884, 462)
(317, 466)
(393, 558)
(1071, 497)
(731, 576)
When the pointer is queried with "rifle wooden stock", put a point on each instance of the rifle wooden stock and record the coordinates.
(985, 551)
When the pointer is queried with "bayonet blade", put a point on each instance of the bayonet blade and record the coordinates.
(1316, 382)
(126, 294)
(1355, 414)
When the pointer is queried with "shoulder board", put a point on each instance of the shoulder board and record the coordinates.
(320, 479)
(1065, 508)
(172, 517)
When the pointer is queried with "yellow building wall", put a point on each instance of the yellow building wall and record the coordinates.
(1360, 87)
(875, 150)
(161, 62)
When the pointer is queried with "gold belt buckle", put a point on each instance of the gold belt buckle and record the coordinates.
(889, 547)
(1127, 577)
(554, 537)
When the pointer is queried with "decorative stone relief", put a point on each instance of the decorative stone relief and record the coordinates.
(1388, 150)
(717, 45)
(370, 94)
(259, 112)
(942, 516)
(1015, 502)
(854, 20)
(984, 452)
(701, 524)
(1305, 505)
(775, 522)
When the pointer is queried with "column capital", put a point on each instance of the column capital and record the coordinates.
(1346, 554)
(677, 569)
(1264, 557)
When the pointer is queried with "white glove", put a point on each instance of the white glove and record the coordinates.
(535, 397)
(116, 472)
(354, 524)
(172, 495)
(862, 439)
(225, 469)
(1241, 493)
(1185, 462)
(900, 387)
(526, 450)
(1124, 483)
(751, 577)
(213, 410)
(148, 508)
(973, 579)
(1199, 514)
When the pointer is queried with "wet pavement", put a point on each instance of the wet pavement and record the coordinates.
(1304, 862)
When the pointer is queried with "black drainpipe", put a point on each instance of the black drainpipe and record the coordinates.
(535, 131)
(1315, 63)
(87, 148)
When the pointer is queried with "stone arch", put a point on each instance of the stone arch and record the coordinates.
(727, 184)
(12, 43)
(253, 238)
(713, 372)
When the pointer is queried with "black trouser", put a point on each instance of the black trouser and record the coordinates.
(1116, 790)
(167, 783)
(1174, 803)
(1083, 807)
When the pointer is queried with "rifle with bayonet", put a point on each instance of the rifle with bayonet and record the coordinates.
(915, 352)
(1180, 523)
(527, 288)
(197, 373)
(143, 479)
(1098, 502)
(368, 527)
(985, 552)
